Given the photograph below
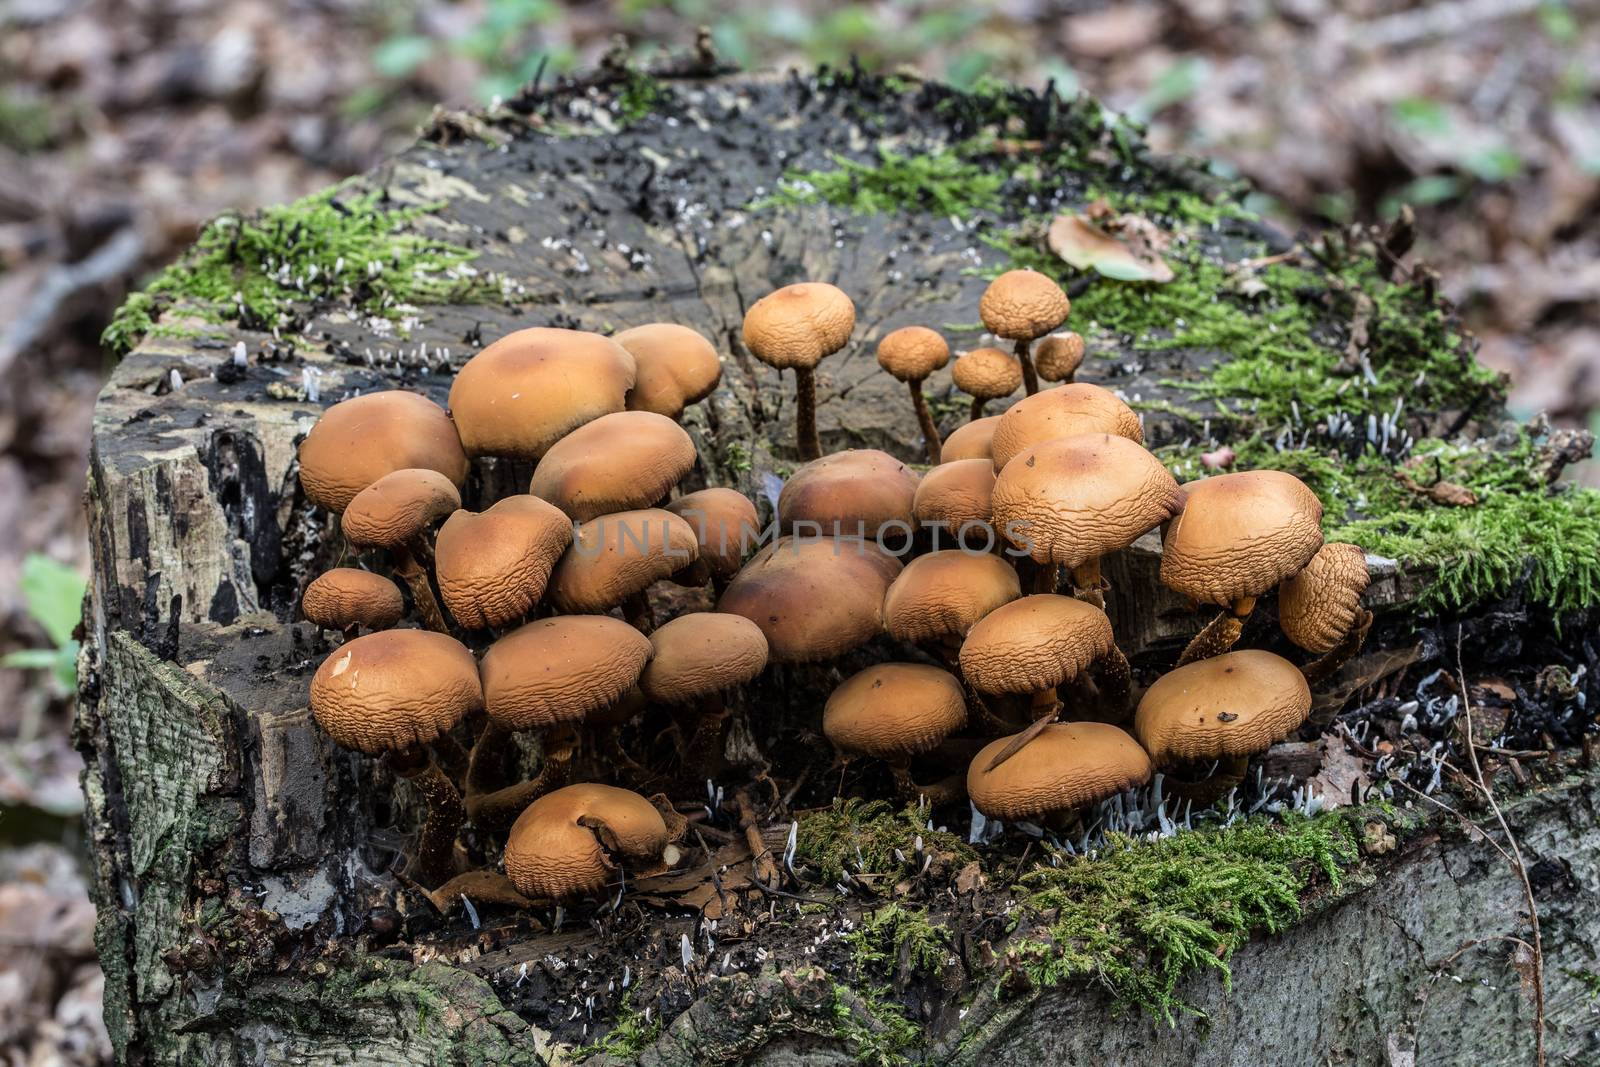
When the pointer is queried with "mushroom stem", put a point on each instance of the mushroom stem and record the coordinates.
(1202, 792)
(1220, 633)
(947, 790)
(453, 756)
(435, 855)
(1019, 742)
(1045, 577)
(704, 752)
(1086, 583)
(480, 887)
(350, 632)
(987, 720)
(930, 432)
(416, 580)
(976, 411)
(1325, 665)
(499, 809)
(638, 613)
(1116, 683)
(608, 740)
(1030, 377)
(805, 416)
(486, 767)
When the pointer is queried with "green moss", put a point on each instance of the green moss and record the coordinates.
(640, 95)
(629, 1035)
(942, 182)
(874, 1026)
(861, 836)
(879, 940)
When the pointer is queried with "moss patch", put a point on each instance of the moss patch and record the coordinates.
(942, 182)
(861, 837)
(875, 1027)
(629, 1035)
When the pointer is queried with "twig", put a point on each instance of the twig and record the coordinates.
(766, 870)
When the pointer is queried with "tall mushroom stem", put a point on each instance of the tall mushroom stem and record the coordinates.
(1228, 773)
(435, 855)
(1220, 633)
(1325, 665)
(930, 432)
(947, 790)
(1030, 377)
(1045, 577)
(1086, 583)
(976, 411)
(416, 579)
(638, 613)
(1116, 683)
(704, 751)
(805, 416)
(497, 810)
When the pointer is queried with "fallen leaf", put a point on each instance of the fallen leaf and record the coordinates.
(1341, 770)
(1088, 247)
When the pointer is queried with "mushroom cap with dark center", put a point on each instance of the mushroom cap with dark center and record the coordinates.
(676, 367)
(855, 493)
(911, 353)
(814, 598)
(1318, 606)
(702, 653)
(628, 459)
(1235, 704)
(615, 556)
(394, 689)
(971, 440)
(1066, 410)
(569, 843)
(1239, 535)
(1034, 644)
(1074, 499)
(493, 565)
(561, 670)
(798, 325)
(531, 388)
(1058, 356)
(725, 523)
(358, 441)
(892, 711)
(955, 493)
(348, 596)
(945, 594)
(398, 508)
(1068, 765)
(1022, 305)
(987, 373)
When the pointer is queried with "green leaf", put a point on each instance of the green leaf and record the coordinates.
(399, 56)
(30, 659)
(54, 595)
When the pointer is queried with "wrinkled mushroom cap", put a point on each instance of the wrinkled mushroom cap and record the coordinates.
(725, 523)
(1318, 606)
(798, 325)
(971, 440)
(493, 565)
(615, 556)
(701, 653)
(814, 598)
(628, 459)
(1235, 704)
(911, 353)
(347, 596)
(358, 441)
(398, 508)
(531, 388)
(1239, 535)
(946, 593)
(569, 843)
(987, 373)
(1021, 305)
(892, 711)
(1063, 411)
(677, 367)
(955, 493)
(394, 689)
(1074, 499)
(854, 493)
(1034, 643)
(560, 670)
(1058, 356)
(1069, 765)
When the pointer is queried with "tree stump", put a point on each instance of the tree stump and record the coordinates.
(243, 864)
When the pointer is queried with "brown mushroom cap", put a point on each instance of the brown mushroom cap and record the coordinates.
(725, 523)
(1235, 704)
(347, 596)
(1318, 606)
(911, 353)
(1074, 499)
(1021, 305)
(677, 367)
(493, 565)
(987, 373)
(1068, 765)
(1058, 356)
(701, 653)
(616, 556)
(1239, 535)
(531, 388)
(892, 711)
(397, 508)
(1063, 411)
(814, 598)
(628, 459)
(561, 670)
(955, 493)
(971, 440)
(1034, 644)
(854, 493)
(394, 689)
(946, 593)
(358, 441)
(798, 325)
(568, 843)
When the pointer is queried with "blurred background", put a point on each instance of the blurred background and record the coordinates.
(126, 125)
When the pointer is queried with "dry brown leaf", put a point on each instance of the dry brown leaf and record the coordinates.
(1087, 247)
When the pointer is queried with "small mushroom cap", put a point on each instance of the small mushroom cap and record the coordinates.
(971, 440)
(798, 325)
(946, 593)
(358, 441)
(814, 598)
(628, 459)
(892, 711)
(616, 556)
(347, 596)
(1058, 356)
(987, 373)
(1235, 704)
(531, 388)
(560, 670)
(394, 689)
(1022, 305)
(955, 493)
(1064, 411)
(725, 523)
(911, 353)
(677, 367)
(569, 842)
(701, 653)
(1239, 535)
(1034, 643)
(1068, 765)
(854, 493)
(1075, 499)
(398, 508)
(493, 565)
(1318, 606)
